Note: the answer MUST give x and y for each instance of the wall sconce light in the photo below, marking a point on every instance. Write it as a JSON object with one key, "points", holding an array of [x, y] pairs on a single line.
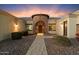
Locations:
{"points": [[16, 25], [16, 28]]}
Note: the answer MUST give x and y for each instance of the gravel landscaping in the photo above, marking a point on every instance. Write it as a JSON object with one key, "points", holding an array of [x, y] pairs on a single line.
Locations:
{"points": [[21, 46], [16, 47], [54, 49]]}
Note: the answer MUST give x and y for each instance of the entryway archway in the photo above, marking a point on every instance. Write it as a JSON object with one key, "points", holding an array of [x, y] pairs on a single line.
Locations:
{"points": [[39, 27]]}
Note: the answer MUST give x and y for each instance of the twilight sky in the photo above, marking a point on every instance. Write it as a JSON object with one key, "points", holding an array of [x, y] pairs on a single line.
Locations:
{"points": [[27, 10]]}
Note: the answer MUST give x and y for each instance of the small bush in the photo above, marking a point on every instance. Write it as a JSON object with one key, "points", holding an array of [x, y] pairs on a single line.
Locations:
{"points": [[16, 35], [24, 33], [63, 40]]}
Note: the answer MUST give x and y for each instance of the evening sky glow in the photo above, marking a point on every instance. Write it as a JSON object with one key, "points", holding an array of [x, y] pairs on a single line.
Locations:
{"points": [[27, 10]]}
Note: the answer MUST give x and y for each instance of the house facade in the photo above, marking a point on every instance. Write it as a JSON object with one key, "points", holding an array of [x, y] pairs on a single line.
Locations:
{"points": [[66, 26], [39, 23]]}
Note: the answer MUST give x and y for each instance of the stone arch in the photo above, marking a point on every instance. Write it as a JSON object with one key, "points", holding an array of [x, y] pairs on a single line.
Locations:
{"points": [[40, 27]]}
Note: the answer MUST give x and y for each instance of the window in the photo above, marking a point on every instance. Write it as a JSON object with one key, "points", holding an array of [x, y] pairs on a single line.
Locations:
{"points": [[52, 27], [29, 27]]}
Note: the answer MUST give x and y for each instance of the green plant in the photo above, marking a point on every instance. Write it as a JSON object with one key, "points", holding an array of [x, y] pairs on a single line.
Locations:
{"points": [[63, 40]]}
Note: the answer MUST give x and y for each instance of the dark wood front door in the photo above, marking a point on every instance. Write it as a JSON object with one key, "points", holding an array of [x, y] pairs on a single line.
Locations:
{"points": [[65, 28], [40, 29]]}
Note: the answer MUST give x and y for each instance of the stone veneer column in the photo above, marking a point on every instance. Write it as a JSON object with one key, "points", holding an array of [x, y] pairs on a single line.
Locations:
{"points": [[40, 17]]}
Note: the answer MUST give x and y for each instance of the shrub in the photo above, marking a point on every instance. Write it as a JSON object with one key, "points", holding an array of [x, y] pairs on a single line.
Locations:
{"points": [[16, 35], [24, 33], [63, 40]]}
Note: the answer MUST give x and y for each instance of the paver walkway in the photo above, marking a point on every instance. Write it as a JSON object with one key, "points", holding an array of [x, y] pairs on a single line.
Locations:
{"points": [[38, 46]]}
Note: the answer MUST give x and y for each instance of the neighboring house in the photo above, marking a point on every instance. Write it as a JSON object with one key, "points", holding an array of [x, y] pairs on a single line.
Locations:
{"points": [[39, 23]]}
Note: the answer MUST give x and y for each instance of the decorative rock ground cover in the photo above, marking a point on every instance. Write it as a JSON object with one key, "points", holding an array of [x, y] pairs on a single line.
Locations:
{"points": [[16, 47], [54, 49], [20, 47]]}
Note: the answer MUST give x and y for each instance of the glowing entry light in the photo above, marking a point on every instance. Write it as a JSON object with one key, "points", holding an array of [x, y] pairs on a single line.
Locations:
{"points": [[40, 34], [16, 28]]}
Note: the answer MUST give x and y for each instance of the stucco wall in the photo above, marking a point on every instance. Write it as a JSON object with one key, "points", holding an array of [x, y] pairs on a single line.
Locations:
{"points": [[7, 25], [71, 26], [77, 19], [21, 25], [59, 28]]}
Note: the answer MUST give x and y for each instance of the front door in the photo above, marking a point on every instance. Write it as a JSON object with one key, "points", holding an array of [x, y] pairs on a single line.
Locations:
{"points": [[40, 29], [65, 28]]}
